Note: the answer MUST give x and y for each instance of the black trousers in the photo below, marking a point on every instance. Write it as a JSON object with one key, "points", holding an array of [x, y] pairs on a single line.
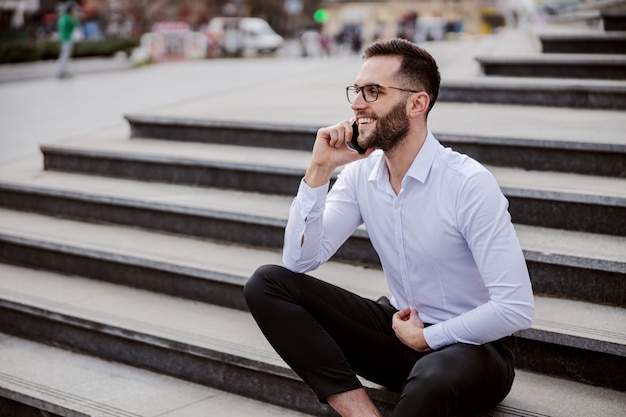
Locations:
{"points": [[328, 335]]}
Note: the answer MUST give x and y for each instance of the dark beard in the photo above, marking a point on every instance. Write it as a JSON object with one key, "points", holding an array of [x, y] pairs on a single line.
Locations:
{"points": [[391, 129]]}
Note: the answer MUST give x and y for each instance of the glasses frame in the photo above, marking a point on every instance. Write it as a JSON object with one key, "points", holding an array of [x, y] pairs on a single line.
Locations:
{"points": [[359, 89]]}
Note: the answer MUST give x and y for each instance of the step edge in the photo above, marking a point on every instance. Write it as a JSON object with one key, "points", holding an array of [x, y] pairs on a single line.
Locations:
{"points": [[218, 124], [565, 331], [47, 149], [556, 258], [474, 139], [141, 204], [56, 401], [123, 258], [299, 172], [219, 350]]}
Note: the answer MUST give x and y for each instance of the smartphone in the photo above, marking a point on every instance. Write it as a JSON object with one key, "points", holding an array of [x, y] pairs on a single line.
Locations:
{"points": [[353, 143]]}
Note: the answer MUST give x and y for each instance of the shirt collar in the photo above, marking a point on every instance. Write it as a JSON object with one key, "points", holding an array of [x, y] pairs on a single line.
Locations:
{"points": [[419, 168]]}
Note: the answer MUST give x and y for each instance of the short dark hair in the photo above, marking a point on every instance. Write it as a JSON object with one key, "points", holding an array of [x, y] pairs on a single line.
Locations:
{"points": [[418, 67]]}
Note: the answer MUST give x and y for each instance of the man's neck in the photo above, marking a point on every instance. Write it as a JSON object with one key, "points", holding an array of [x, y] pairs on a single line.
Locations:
{"points": [[400, 158]]}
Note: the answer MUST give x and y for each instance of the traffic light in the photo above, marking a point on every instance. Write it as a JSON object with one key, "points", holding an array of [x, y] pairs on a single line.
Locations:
{"points": [[320, 15]]}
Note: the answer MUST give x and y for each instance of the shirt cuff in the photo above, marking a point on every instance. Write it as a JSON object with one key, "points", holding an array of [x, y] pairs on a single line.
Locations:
{"points": [[312, 200], [436, 337]]}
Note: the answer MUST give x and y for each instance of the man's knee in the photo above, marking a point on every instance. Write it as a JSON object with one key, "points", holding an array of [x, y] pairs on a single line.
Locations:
{"points": [[257, 287], [258, 281]]}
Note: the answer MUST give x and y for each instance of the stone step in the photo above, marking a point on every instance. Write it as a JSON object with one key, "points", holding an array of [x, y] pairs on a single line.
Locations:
{"points": [[567, 264], [210, 272], [40, 380], [550, 151], [530, 91], [573, 265], [203, 270], [584, 43], [584, 15], [570, 201], [587, 66], [222, 348], [614, 20]]}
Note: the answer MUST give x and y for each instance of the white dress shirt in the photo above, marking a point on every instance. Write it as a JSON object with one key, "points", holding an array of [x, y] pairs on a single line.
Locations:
{"points": [[446, 242]]}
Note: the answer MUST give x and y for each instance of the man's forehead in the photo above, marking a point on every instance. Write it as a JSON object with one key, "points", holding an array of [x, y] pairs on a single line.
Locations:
{"points": [[378, 70]]}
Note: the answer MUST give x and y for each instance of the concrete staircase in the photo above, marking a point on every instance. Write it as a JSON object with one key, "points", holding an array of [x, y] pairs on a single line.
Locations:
{"points": [[585, 69], [122, 261]]}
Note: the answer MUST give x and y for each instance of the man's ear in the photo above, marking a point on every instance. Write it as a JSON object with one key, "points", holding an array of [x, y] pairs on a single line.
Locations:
{"points": [[418, 104]]}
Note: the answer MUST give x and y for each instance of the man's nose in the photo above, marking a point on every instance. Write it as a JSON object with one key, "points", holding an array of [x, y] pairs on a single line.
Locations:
{"points": [[358, 102]]}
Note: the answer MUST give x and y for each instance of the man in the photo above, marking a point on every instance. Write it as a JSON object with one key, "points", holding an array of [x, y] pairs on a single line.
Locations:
{"points": [[449, 252], [66, 25]]}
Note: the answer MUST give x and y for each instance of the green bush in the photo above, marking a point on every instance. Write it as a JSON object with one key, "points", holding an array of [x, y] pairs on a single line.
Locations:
{"points": [[104, 48], [29, 51]]}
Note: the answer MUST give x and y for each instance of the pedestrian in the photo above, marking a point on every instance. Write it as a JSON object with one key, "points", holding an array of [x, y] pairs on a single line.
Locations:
{"points": [[326, 44], [441, 227], [356, 40], [66, 24]]}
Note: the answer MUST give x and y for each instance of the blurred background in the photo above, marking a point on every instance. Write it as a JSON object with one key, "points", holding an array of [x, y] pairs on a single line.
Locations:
{"points": [[164, 30]]}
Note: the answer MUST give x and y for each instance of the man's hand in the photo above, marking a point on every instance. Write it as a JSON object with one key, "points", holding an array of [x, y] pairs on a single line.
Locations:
{"points": [[330, 151], [409, 328]]}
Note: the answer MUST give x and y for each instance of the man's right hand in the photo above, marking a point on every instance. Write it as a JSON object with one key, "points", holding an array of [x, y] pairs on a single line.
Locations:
{"points": [[409, 328], [330, 151]]}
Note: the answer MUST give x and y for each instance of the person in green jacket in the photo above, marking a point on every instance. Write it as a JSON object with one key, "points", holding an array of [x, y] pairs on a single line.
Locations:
{"points": [[66, 25]]}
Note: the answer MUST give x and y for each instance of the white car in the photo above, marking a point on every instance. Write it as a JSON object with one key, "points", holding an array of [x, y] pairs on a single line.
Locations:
{"points": [[241, 35]]}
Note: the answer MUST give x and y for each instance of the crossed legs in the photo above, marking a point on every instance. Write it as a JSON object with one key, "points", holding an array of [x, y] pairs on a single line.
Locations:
{"points": [[328, 335]]}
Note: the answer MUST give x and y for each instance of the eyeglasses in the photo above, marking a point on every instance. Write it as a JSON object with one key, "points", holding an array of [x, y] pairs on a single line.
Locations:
{"points": [[369, 91]]}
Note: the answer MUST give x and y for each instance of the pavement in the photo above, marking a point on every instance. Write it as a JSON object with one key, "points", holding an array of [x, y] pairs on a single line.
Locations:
{"points": [[36, 107]]}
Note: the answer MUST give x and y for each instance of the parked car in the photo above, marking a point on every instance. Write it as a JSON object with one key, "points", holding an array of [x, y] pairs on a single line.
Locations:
{"points": [[241, 35]]}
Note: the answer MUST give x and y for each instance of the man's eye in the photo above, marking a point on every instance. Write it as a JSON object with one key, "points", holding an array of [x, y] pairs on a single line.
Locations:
{"points": [[370, 89]]}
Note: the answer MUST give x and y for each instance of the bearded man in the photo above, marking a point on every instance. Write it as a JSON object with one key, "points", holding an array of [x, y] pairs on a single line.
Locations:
{"points": [[449, 252]]}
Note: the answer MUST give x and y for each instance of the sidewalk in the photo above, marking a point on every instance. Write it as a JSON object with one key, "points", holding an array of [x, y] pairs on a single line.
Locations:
{"points": [[47, 110], [272, 89], [48, 69]]}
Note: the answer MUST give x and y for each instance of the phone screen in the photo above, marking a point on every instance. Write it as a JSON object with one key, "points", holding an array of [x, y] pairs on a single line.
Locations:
{"points": [[353, 143]]}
